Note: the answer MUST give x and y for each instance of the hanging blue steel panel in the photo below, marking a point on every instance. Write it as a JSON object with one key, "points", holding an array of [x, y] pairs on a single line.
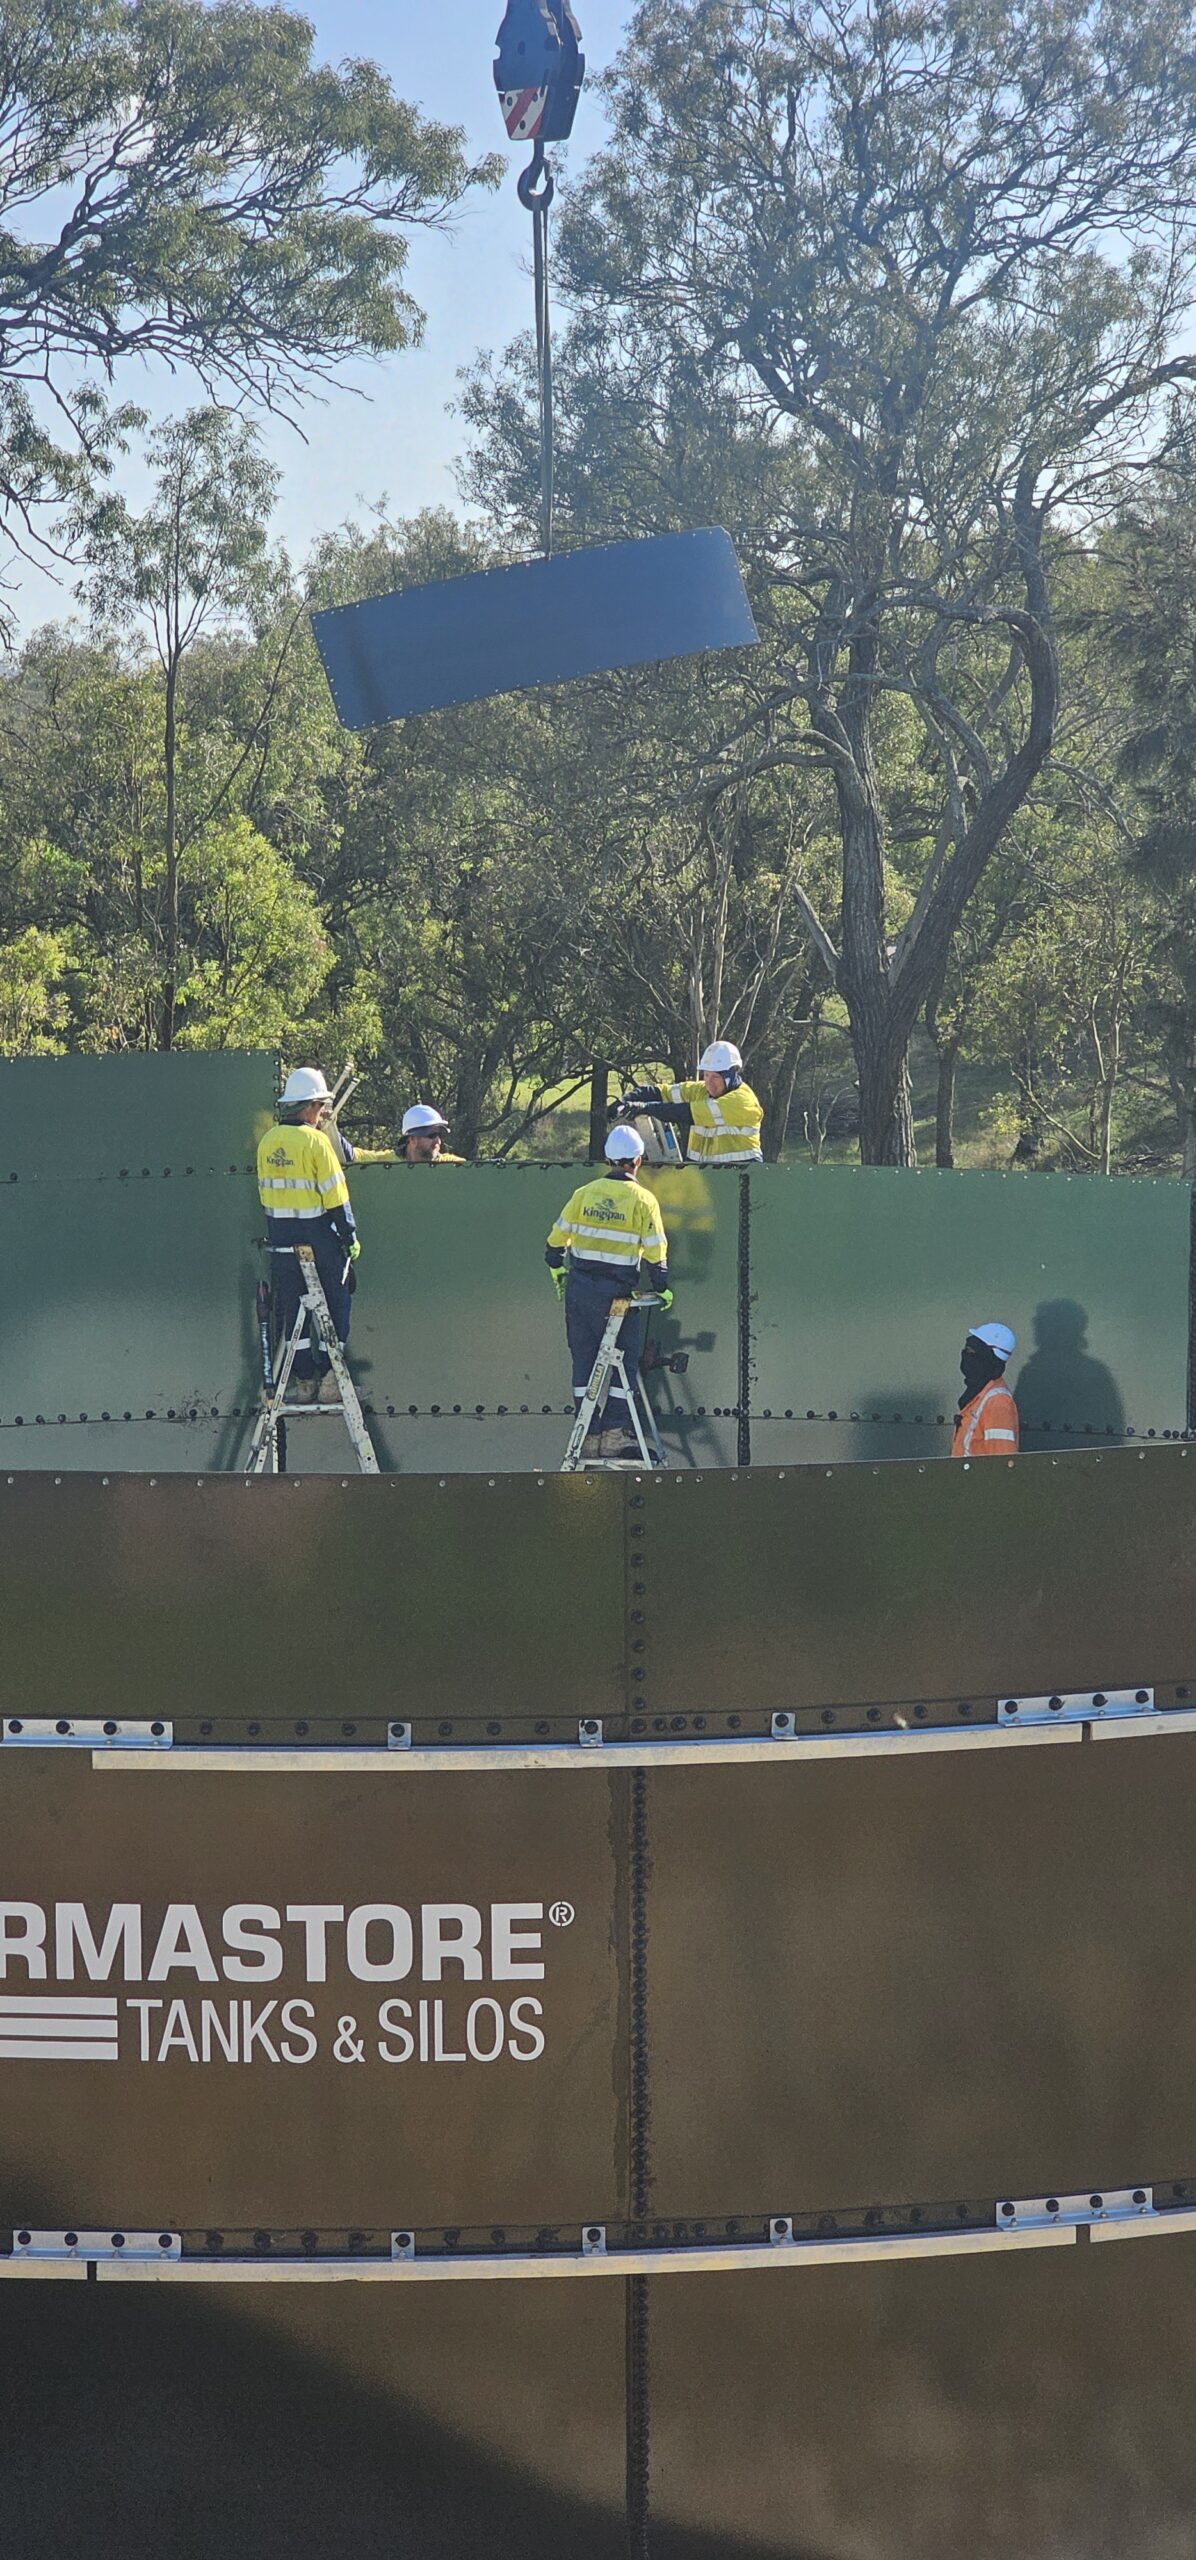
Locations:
{"points": [[624, 604], [186, 1112], [866, 1280]]}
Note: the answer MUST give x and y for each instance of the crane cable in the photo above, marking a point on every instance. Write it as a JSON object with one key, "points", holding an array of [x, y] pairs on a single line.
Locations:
{"points": [[537, 201]]}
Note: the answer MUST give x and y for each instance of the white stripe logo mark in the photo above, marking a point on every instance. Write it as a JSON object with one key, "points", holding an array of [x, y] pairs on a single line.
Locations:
{"points": [[41, 2028]]}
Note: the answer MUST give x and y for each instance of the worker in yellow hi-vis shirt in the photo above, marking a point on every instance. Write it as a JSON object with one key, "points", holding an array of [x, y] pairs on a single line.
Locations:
{"points": [[424, 1132], [306, 1200], [718, 1113], [607, 1234]]}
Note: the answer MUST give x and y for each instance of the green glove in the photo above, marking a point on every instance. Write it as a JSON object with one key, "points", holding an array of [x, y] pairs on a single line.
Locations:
{"points": [[559, 1278], [355, 1250], [666, 1298]]}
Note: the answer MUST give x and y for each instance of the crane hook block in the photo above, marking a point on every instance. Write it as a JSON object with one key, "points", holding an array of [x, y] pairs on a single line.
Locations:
{"points": [[539, 69]]}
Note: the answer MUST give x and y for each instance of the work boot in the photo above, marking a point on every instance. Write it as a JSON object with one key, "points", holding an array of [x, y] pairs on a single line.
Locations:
{"points": [[329, 1389], [617, 1444], [301, 1391], [591, 1448]]}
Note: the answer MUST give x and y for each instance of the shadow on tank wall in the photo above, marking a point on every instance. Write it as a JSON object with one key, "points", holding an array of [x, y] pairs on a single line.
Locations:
{"points": [[195, 2428], [1062, 1392]]}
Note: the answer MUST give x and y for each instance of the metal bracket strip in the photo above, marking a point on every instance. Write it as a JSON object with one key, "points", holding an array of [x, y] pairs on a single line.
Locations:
{"points": [[93, 2248], [691, 1753], [724, 2258], [1035, 2222], [1080, 1706], [86, 1733], [1064, 1716]]}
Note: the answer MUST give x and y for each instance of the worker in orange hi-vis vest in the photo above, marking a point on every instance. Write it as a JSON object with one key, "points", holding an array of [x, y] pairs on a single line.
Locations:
{"points": [[986, 1425]]}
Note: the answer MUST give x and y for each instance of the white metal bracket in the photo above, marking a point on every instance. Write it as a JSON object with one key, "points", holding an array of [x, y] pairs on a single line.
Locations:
{"points": [[1043, 2213], [97, 2245], [86, 1733], [589, 1733], [1075, 1706]]}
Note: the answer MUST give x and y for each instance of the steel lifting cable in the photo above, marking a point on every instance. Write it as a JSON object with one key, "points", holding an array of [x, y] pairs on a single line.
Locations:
{"points": [[538, 73], [537, 200]]}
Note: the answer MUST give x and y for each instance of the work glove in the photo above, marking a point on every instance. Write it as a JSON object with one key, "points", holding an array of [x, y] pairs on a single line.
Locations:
{"points": [[639, 1097], [559, 1279], [355, 1250]]}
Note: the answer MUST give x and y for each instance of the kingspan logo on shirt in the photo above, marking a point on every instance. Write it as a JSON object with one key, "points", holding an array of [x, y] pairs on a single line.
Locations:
{"points": [[57, 1951]]}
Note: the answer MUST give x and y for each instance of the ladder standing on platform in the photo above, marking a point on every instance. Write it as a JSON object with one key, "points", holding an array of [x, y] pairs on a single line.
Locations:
{"points": [[312, 1320], [609, 1367], [313, 1240], [609, 1234]]}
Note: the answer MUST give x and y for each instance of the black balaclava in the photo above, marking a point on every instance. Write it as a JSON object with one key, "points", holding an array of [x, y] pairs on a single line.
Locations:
{"points": [[979, 1364]]}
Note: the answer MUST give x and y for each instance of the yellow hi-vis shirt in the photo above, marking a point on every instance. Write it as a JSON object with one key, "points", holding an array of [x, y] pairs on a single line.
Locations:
{"points": [[611, 1225], [299, 1173], [396, 1155], [723, 1132]]}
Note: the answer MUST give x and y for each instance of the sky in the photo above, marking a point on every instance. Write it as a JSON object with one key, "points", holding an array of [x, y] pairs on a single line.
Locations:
{"points": [[472, 282]]}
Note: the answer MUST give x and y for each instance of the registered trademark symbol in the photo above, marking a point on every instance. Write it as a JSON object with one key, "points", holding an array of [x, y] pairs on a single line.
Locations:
{"points": [[562, 1915]]}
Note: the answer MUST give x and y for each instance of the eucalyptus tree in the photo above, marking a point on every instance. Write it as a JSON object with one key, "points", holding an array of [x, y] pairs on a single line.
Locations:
{"points": [[920, 269]]}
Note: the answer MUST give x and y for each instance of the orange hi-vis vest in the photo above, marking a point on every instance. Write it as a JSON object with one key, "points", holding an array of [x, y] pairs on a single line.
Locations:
{"points": [[988, 1427]]}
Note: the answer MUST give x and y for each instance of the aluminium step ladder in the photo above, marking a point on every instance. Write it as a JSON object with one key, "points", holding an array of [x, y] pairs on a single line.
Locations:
{"points": [[267, 1449], [610, 1367]]}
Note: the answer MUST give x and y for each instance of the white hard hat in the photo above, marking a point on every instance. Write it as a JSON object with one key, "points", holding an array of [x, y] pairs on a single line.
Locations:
{"points": [[422, 1116], [997, 1336], [305, 1084], [624, 1145], [722, 1058]]}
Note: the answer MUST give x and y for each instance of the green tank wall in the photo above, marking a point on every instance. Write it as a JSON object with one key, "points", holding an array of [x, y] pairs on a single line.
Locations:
{"points": [[822, 1309]]}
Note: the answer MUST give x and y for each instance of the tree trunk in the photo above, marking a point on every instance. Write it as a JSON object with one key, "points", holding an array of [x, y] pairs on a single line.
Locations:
{"points": [[1104, 1129], [1031, 1133], [944, 1107], [170, 741], [778, 1098], [886, 1103], [1189, 1163]]}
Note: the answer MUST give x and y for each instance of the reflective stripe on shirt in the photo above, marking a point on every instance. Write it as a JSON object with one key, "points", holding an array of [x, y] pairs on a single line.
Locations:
{"points": [[974, 1434]]}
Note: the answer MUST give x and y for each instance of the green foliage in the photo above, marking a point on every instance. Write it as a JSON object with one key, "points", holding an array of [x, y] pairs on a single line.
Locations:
{"points": [[34, 1009], [181, 180], [257, 952]]}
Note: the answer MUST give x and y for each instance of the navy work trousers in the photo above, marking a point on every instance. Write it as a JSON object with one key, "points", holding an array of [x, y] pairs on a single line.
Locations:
{"points": [[588, 1298], [332, 1263]]}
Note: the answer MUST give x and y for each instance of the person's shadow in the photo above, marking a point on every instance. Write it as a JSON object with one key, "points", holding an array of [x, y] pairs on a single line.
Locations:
{"points": [[1063, 1395]]}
